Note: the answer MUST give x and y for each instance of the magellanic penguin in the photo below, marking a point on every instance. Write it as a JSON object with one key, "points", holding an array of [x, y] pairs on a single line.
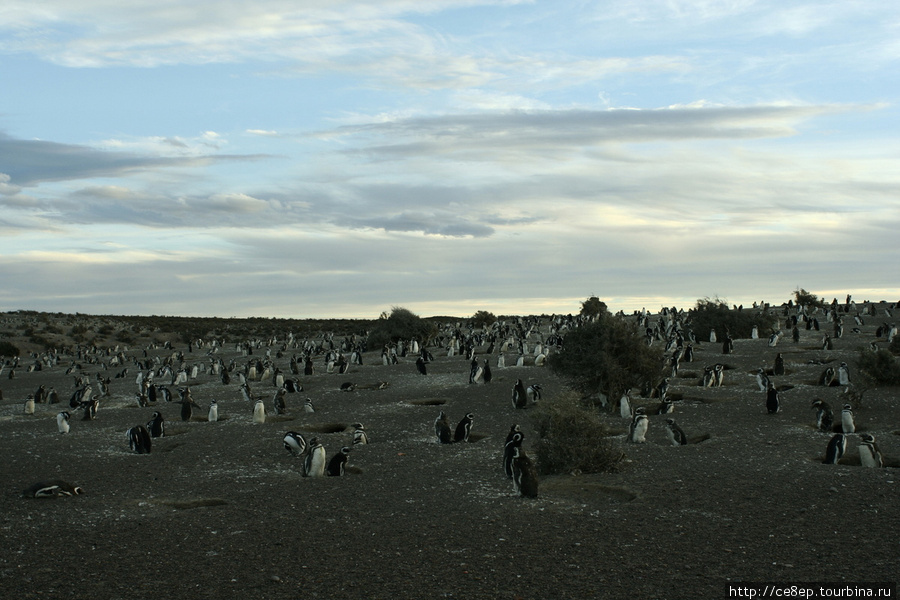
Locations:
{"points": [[676, 435], [625, 405], [52, 489], [773, 406], [156, 425], [869, 454], [509, 452], [533, 393], [62, 421], [139, 439], [464, 428], [779, 365], [524, 474], [314, 465], [338, 463], [29, 405], [762, 379], [259, 412], [519, 395], [442, 429], [843, 374], [847, 424], [360, 437], [637, 433], [308, 406], [294, 443], [420, 365], [836, 448], [213, 414], [278, 403], [824, 415]]}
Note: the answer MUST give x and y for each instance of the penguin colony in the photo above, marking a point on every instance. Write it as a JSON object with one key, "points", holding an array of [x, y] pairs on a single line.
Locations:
{"points": [[155, 376]]}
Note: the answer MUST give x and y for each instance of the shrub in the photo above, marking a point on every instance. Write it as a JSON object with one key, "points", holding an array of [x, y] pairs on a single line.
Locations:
{"points": [[881, 366], [401, 324], [483, 318], [8, 349], [804, 298], [607, 356], [593, 307], [572, 438], [715, 314]]}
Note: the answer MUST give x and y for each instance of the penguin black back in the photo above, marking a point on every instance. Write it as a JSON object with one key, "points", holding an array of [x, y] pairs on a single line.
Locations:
{"points": [[464, 428]]}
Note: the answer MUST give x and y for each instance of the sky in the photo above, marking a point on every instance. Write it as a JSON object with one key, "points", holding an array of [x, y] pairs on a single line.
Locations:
{"points": [[308, 159]]}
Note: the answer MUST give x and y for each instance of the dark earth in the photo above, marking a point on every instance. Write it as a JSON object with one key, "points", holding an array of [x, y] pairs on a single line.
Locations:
{"points": [[221, 510]]}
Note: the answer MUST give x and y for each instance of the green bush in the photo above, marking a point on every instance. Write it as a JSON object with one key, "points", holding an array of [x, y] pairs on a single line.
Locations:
{"points": [[572, 438], [593, 307], [881, 366], [607, 356], [8, 349], [804, 298], [401, 324], [715, 314], [483, 318]]}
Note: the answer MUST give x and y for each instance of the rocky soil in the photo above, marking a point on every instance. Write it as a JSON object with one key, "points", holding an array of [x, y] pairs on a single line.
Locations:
{"points": [[220, 510]]}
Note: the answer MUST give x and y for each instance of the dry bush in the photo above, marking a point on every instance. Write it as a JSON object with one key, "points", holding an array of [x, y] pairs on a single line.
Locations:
{"points": [[573, 438]]}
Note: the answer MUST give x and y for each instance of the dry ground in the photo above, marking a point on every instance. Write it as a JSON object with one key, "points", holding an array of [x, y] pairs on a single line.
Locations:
{"points": [[220, 510]]}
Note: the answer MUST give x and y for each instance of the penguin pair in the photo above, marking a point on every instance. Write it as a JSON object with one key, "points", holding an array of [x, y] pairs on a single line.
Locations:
{"points": [[461, 434], [139, 439]]}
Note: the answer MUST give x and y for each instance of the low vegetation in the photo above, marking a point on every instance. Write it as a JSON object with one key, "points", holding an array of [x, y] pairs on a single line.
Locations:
{"points": [[715, 314]]}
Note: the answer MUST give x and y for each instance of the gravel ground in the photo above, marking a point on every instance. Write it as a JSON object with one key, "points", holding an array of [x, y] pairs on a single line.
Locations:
{"points": [[221, 510]]}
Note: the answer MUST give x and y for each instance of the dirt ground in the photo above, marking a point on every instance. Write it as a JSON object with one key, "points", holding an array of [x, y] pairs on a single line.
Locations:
{"points": [[220, 510]]}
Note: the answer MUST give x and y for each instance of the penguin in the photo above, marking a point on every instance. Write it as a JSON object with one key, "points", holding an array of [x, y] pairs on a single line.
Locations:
{"points": [[308, 406], [625, 405], [165, 392], [665, 407], [29, 405], [187, 410], [676, 435], [420, 365], [828, 377], [463, 428], [762, 380], [524, 474], [519, 395], [52, 489], [779, 364], [62, 421], [360, 437], [513, 430], [869, 454], [278, 401], [824, 415], [835, 450], [338, 463], [139, 439], [259, 412], [314, 465], [501, 361], [348, 386], [292, 386], [213, 414], [847, 424], [156, 425], [533, 393], [475, 372], [773, 406], [486, 372], [509, 450], [719, 374], [53, 396], [90, 409], [294, 443], [843, 374], [442, 429], [637, 433]]}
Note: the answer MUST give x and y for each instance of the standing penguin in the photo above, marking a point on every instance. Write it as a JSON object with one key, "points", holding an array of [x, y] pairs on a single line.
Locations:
{"points": [[139, 439], [278, 401], [29, 405], [487, 372], [62, 421], [187, 410], [843, 374], [676, 435], [533, 393], [259, 412], [314, 465], [824, 414], [762, 380], [772, 403], [156, 425], [524, 474], [509, 451], [294, 443], [360, 437], [835, 450], [420, 365], [213, 414], [625, 405], [338, 463], [779, 364], [519, 395], [847, 424], [464, 428], [442, 429], [637, 433], [869, 454]]}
